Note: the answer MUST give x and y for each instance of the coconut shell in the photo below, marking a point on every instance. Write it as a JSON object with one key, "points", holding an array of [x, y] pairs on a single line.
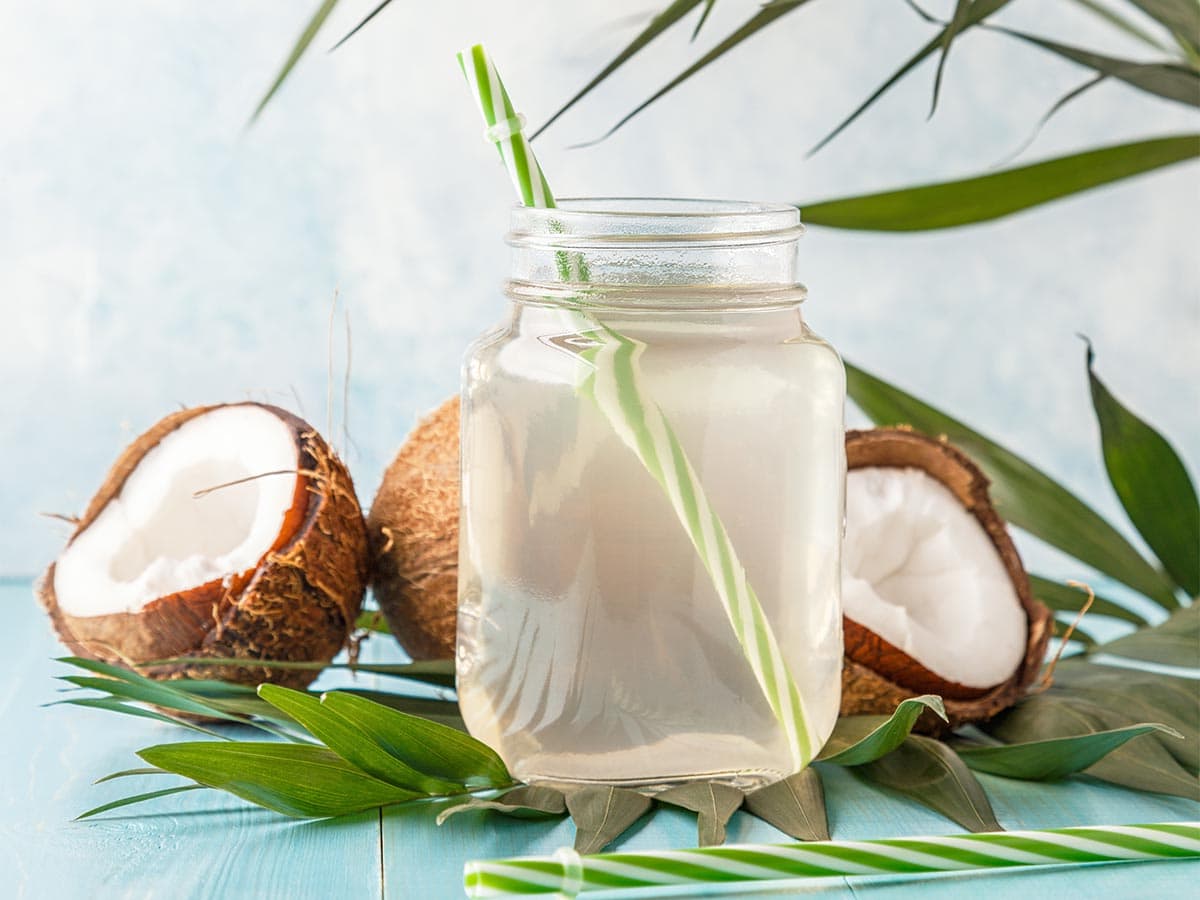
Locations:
{"points": [[299, 603], [878, 675], [413, 530]]}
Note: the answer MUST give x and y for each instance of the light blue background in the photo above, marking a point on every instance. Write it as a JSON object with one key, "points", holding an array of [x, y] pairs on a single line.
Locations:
{"points": [[154, 252]]}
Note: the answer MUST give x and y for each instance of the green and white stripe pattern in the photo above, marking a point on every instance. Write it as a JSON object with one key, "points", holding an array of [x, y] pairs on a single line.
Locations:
{"points": [[640, 423], [568, 874], [504, 128]]}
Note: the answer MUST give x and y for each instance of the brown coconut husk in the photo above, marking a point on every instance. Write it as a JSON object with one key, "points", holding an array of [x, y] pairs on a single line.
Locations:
{"points": [[413, 530], [299, 603], [878, 675]]}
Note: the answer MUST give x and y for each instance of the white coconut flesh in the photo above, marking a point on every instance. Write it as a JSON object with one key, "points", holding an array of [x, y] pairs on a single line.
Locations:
{"points": [[920, 572], [159, 537]]}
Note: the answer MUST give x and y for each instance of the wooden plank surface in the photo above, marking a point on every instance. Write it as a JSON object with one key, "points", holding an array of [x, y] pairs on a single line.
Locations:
{"points": [[198, 844], [204, 844]]}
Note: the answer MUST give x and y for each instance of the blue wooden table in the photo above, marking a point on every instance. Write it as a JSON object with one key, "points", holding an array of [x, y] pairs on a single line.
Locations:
{"points": [[207, 844]]}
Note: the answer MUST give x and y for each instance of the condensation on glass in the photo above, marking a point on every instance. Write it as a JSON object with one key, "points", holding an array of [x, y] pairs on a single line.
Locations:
{"points": [[592, 644]]}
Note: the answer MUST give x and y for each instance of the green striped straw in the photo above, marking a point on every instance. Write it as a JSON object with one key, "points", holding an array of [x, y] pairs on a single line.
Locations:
{"points": [[569, 874], [617, 386]]}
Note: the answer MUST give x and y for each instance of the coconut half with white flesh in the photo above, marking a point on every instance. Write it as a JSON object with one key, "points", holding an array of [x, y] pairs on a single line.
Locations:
{"points": [[935, 598], [223, 531]]}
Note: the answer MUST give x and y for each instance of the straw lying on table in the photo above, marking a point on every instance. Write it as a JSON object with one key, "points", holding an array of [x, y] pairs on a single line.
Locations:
{"points": [[567, 873], [641, 425]]}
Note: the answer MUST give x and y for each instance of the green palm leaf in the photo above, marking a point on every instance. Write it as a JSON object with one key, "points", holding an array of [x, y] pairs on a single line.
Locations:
{"points": [[298, 50], [293, 779], [138, 798], [1171, 81], [795, 805], [1054, 758], [857, 740], [976, 14], [950, 204], [1121, 23], [767, 14], [930, 773], [660, 23], [357, 28], [1151, 483], [959, 21], [1064, 598], [1180, 17]]}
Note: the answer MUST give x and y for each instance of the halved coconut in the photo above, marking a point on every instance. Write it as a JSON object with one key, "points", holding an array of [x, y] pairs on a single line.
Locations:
{"points": [[413, 529], [934, 594], [223, 531]]}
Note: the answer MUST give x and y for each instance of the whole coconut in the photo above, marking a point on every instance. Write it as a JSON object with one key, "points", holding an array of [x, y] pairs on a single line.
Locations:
{"points": [[413, 530]]}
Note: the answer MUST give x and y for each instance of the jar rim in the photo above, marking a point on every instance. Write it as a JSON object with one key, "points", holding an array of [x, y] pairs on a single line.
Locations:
{"points": [[656, 218]]}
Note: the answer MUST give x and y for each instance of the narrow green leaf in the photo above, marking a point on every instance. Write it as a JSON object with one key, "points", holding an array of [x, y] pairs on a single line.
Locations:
{"points": [[1063, 597], [120, 673], [1152, 764], [356, 745], [1121, 23], [293, 779], [913, 61], [660, 23], [168, 694], [253, 709], [795, 805], [978, 12], [1055, 758], [1171, 81], [138, 798], [301, 45], [713, 803], [151, 694], [1132, 695], [1024, 496], [130, 773], [438, 672], [929, 772], [861, 739], [1073, 94], [529, 801], [982, 198], [708, 6], [424, 745], [163, 695], [112, 704], [1148, 766], [766, 14], [1173, 643], [1180, 17], [1151, 483], [958, 22], [602, 813], [357, 28], [213, 688], [444, 712]]}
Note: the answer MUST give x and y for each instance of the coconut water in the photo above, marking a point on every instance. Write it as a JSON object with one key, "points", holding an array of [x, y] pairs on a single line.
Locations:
{"points": [[592, 645]]}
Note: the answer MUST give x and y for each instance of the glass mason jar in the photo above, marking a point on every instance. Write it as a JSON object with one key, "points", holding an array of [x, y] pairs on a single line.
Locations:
{"points": [[652, 416]]}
